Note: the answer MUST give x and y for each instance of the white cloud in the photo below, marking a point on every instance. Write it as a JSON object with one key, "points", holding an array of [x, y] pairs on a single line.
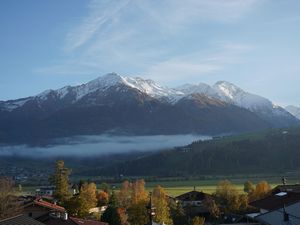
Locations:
{"points": [[191, 66], [100, 13], [141, 35]]}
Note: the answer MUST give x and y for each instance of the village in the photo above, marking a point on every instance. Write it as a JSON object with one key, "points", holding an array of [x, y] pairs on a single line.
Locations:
{"points": [[83, 203]]}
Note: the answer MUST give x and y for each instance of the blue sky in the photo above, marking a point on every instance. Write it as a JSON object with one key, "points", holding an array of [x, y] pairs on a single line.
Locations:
{"points": [[252, 43]]}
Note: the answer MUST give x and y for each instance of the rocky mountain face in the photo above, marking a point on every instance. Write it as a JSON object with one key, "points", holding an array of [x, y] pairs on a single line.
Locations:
{"points": [[124, 105]]}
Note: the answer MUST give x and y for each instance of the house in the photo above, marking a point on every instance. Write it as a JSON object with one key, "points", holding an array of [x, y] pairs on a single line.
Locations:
{"points": [[285, 215], [194, 203], [192, 198], [45, 190], [20, 220], [279, 197], [295, 188], [282, 206], [39, 208]]}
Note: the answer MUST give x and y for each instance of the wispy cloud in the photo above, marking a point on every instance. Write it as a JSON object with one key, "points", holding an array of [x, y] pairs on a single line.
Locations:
{"points": [[191, 66], [142, 37], [100, 14]]}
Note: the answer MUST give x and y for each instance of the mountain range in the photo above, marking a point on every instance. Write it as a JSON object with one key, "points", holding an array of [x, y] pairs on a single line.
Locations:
{"points": [[136, 106]]}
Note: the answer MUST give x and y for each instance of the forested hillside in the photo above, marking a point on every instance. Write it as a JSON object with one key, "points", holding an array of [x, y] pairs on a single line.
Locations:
{"points": [[269, 152]]}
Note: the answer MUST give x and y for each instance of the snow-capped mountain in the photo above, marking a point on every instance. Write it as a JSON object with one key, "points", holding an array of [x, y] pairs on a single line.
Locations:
{"points": [[232, 94], [101, 84], [114, 103], [295, 111]]}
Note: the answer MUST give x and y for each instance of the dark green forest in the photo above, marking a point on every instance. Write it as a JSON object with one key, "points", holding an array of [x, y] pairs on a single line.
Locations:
{"points": [[273, 151]]}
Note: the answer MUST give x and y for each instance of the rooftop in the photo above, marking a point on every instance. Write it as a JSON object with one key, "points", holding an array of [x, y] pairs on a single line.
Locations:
{"points": [[20, 220]]}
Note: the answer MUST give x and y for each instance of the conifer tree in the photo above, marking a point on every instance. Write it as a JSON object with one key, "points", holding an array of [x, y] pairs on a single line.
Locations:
{"points": [[111, 214]]}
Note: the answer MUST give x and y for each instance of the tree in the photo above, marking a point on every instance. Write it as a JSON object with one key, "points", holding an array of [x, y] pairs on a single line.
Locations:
{"points": [[81, 204], [262, 189], [124, 195], [138, 192], [137, 211], [111, 215], [162, 210], [248, 187], [227, 196], [102, 198], [177, 213], [212, 207], [105, 187], [60, 179], [198, 221], [8, 201]]}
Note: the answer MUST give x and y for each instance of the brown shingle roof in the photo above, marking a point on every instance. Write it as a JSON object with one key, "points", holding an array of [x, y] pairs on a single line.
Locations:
{"points": [[193, 196], [20, 220], [273, 202]]}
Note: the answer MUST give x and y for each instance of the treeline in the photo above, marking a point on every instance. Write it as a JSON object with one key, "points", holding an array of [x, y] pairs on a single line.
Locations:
{"points": [[272, 152], [133, 205]]}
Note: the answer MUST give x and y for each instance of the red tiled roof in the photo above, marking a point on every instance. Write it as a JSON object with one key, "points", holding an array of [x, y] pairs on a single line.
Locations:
{"points": [[49, 205], [87, 222]]}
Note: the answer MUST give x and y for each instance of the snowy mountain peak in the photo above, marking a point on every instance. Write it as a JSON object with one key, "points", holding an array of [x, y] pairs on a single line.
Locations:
{"points": [[227, 89]]}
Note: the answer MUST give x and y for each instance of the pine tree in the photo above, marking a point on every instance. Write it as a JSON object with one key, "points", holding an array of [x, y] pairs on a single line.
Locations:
{"points": [[111, 214]]}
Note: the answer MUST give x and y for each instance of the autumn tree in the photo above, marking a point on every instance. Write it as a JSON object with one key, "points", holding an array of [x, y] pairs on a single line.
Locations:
{"points": [[248, 187], [8, 201], [227, 196], [137, 212], [102, 198], [162, 210], [262, 189], [80, 205], [124, 195], [198, 221], [60, 179], [212, 207]]}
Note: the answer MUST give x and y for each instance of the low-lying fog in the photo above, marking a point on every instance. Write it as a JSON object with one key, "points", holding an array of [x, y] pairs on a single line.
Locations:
{"points": [[104, 144]]}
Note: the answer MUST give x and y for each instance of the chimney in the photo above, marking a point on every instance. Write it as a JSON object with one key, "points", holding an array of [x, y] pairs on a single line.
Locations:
{"points": [[194, 188]]}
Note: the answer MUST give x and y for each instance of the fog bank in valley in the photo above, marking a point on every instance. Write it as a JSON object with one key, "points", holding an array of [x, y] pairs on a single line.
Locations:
{"points": [[85, 146]]}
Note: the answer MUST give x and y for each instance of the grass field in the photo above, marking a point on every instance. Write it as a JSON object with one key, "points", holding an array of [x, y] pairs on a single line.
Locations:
{"points": [[177, 187]]}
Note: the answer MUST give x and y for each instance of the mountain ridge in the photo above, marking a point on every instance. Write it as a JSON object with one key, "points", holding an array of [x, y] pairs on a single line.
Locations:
{"points": [[135, 106]]}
